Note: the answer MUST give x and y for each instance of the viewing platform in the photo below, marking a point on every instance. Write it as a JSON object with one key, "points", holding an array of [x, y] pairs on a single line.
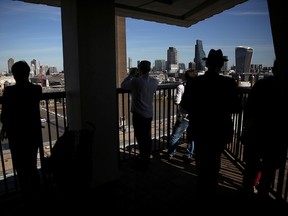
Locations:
{"points": [[167, 187]]}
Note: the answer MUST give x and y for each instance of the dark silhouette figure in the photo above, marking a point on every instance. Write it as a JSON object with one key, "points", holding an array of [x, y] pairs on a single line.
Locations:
{"points": [[211, 99], [21, 124], [142, 88], [264, 132], [71, 154]]}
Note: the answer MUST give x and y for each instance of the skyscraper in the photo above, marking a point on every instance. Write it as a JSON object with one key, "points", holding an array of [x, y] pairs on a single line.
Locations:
{"points": [[243, 57], [199, 55], [225, 65], [172, 59], [33, 66], [129, 63], [160, 65], [10, 63]]}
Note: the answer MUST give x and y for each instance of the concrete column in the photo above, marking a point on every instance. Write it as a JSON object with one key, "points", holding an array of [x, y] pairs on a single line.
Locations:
{"points": [[121, 50], [90, 79], [279, 21]]}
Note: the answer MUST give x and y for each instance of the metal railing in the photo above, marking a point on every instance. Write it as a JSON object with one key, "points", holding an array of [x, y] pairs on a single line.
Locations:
{"points": [[53, 109], [163, 120]]}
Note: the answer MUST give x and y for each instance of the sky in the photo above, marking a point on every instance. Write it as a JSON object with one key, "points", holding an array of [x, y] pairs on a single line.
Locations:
{"points": [[31, 31]]}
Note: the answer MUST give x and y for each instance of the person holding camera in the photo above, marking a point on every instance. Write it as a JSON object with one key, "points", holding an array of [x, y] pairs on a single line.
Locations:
{"points": [[142, 87]]}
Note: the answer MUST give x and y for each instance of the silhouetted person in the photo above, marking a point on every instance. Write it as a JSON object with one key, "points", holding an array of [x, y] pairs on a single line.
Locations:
{"points": [[211, 99], [142, 88], [21, 124], [265, 131]]}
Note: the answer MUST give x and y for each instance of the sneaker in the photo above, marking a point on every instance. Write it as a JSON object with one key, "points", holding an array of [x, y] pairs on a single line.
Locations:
{"points": [[169, 157], [255, 191], [187, 159]]}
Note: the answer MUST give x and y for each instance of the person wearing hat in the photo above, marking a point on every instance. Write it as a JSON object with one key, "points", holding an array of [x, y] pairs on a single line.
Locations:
{"points": [[142, 87], [210, 100]]}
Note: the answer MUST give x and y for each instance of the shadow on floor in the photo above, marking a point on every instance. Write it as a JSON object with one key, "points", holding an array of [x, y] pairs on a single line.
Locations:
{"points": [[167, 187]]}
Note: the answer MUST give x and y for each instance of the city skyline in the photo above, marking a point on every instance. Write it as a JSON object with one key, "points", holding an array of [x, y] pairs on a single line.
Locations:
{"points": [[30, 31]]}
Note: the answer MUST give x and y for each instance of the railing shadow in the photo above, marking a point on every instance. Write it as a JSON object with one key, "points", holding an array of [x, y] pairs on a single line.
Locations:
{"points": [[54, 111]]}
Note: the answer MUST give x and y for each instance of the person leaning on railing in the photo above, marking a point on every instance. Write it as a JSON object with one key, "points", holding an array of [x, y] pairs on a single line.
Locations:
{"points": [[142, 88], [182, 123]]}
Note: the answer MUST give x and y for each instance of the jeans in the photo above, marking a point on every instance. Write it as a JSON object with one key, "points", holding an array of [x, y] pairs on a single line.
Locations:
{"points": [[179, 128]]}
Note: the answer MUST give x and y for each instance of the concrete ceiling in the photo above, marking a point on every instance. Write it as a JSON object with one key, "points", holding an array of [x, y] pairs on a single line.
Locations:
{"points": [[173, 12]]}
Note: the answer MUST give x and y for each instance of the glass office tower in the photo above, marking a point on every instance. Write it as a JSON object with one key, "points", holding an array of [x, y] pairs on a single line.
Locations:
{"points": [[199, 55], [172, 59], [243, 57]]}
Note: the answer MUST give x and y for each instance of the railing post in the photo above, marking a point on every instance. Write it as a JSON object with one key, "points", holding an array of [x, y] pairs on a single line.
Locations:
{"points": [[169, 114]]}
